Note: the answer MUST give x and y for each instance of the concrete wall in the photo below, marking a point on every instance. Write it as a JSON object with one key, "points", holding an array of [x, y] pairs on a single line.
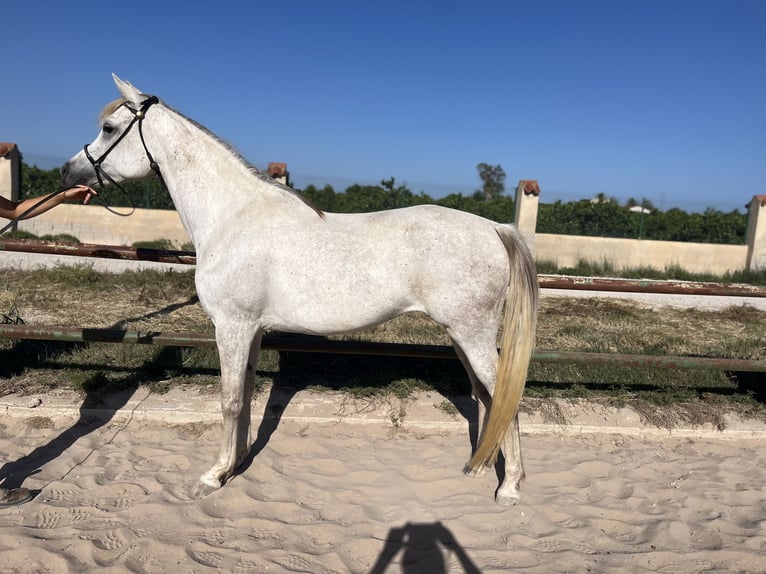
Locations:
{"points": [[94, 224], [567, 250]]}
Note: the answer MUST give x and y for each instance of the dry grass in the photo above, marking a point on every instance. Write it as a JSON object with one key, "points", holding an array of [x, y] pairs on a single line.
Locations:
{"points": [[166, 301], [608, 326]]}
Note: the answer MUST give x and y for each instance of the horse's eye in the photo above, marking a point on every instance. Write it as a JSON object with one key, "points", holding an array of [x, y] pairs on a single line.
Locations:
{"points": [[107, 128]]}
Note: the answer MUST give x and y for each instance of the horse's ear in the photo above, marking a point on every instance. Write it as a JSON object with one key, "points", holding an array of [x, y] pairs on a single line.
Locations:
{"points": [[128, 91]]}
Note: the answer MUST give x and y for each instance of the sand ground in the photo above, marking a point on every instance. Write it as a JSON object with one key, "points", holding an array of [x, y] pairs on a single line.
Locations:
{"points": [[335, 485]]}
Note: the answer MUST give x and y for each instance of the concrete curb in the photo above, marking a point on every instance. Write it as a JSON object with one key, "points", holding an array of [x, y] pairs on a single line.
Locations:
{"points": [[185, 405]]}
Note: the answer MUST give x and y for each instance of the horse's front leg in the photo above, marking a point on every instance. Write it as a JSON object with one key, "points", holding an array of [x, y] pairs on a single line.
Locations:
{"points": [[238, 352], [243, 427]]}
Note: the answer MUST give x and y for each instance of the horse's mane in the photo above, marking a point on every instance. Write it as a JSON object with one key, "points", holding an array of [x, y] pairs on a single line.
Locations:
{"points": [[112, 107]]}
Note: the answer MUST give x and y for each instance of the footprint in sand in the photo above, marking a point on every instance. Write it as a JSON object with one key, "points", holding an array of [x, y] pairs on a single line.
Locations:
{"points": [[207, 558], [48, 519]]}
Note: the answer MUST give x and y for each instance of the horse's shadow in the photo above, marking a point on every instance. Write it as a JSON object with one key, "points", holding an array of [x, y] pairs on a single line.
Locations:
{"points": [[98, 407], [301, 370]]}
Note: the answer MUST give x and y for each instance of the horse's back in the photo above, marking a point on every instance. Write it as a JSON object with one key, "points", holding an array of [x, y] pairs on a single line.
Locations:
{"points": [[429, 227]]}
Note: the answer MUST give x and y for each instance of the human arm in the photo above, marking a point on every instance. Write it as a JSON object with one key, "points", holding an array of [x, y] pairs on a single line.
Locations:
{"points": [[13, 210]]}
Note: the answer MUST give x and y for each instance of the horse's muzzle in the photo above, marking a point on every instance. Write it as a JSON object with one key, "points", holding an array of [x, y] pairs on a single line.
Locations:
{"points": [[64, 172], [71, 175]]}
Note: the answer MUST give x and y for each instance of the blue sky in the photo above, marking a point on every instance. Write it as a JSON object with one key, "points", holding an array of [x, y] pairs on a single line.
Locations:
{"points": [[664, 100]]}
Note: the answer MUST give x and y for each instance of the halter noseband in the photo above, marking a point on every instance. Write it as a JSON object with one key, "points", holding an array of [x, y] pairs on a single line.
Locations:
{"points": [[138, 117]]}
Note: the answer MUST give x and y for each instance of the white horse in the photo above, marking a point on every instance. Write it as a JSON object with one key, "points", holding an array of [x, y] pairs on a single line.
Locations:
{"points": [[267, 260]]}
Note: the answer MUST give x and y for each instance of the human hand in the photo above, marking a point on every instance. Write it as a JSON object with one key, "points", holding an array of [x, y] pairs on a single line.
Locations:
{"points": [[80, 193]]}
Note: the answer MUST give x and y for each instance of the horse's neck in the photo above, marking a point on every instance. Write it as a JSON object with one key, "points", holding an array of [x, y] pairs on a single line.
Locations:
{"points": [[203, 194], [207, 182]]}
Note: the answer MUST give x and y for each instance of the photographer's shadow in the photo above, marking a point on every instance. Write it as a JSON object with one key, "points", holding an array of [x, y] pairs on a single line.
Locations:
{"points": [[426, 549]]}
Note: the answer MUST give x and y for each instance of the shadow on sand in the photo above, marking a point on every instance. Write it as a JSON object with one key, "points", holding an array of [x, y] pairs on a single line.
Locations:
{"points": [[297, 371], [99, 405], [426, 548]]}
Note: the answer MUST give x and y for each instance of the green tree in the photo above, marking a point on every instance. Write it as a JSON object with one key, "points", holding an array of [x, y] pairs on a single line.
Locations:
{"points": [[365, 198], [36, 181], [583, 217], [324, 198], [149, 194], [361, 199], [459, 201], [396, 195], [493, 180]]}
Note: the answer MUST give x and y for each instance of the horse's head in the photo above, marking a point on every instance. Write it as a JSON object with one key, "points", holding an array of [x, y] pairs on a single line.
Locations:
{"points": [[118, 153]]}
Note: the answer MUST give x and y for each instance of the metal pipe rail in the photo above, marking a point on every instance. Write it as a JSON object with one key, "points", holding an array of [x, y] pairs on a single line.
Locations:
{"points": [[546, 281], [319, 345], [100, 251], [657, 286]]}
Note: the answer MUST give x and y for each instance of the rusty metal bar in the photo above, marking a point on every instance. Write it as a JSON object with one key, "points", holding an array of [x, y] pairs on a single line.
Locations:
{"points": [[662, 361], [100, 251], [671, 287], [319, 345], [546, 281]]}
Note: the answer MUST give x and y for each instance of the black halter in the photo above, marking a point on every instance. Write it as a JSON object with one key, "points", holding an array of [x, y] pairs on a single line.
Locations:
{"points": [[138, 117]]}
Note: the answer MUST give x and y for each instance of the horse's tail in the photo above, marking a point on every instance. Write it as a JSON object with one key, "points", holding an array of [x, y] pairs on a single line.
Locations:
{"points": [[516, 346]]}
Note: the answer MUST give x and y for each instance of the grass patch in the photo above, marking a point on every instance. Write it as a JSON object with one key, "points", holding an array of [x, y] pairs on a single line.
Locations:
{"points": [[448, 408], [166, 301]]}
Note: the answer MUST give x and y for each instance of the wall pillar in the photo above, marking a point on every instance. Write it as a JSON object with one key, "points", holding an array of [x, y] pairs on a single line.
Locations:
{"points": [[279, 172], [10, 171], [756, 234], [525, 216]]}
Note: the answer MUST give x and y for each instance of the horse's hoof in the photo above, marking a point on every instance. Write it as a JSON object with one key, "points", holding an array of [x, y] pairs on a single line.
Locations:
{"points": [[477, 473], [508, 499], [202, 489]]}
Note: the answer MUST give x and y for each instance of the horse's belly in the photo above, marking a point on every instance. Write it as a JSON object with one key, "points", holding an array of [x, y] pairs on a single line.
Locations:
{"points": [[327, 309]]}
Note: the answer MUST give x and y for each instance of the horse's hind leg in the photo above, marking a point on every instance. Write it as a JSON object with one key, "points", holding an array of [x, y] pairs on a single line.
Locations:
{"points": [[238, 351], [480, 394], [508, 493], [480, 361]]}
